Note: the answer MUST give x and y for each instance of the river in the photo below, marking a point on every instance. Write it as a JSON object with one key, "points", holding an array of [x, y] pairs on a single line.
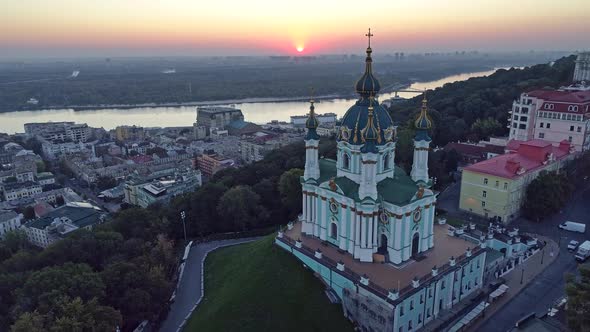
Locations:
{"points": [[257, 112]]}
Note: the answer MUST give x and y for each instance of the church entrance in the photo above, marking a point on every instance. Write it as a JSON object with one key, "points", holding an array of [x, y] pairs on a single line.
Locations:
{"points": [[382, 245], [415, 244]]}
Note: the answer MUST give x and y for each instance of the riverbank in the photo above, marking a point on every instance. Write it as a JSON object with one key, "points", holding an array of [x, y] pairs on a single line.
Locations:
{"points": [[78, 108], [257, 110]]}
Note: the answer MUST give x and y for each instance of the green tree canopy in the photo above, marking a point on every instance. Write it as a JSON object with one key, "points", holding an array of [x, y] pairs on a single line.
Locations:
{"points": [[240, 207], [290, 189], [546, 195], [578, 304]]}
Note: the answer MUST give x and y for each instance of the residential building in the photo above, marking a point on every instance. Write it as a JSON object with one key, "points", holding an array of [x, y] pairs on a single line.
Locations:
{"points": [[59, 131], [242, 128], [473, 153], [496, 188], [58, 223], [582, 70], [555, 115], [129, 133], [45, 178], [327, 119], [210, 163], [9, 221], [161, 185], [17, 190], [217, 116]]}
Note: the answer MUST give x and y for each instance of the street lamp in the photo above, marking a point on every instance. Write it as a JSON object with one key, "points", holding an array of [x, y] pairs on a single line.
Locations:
{"points": [[543, 254], [522, 276], [182, 216]]}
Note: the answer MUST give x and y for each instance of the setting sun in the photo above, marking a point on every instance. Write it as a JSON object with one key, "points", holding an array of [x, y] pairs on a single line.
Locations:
{"points": [[300, 49]]}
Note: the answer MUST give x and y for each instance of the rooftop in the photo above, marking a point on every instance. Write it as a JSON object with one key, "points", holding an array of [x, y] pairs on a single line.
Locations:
{"points": [[80, 216], [527, 157], [7, 215], [388, 276], [561, 96]]}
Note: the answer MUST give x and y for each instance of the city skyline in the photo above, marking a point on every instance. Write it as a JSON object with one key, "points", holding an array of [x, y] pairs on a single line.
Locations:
{"points": [[35, 28]]}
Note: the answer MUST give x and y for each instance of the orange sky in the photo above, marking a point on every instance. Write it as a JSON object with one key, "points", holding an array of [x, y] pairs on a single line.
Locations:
{"points": [[277, 27]]}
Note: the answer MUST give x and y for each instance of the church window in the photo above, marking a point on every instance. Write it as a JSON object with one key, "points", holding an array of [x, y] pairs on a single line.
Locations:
{"points": [[497, 184], [485, 181], [411, 304], [483, 203], [419, 318], [386, 161], [345, 161], [484, 193], [541, 125], [421, 298], [333, 231], [429, 292], [409, 325], [442, 284], [401, 310]]}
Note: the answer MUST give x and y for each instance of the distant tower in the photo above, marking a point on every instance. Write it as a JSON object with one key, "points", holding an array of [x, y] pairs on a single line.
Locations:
{"points": [[582, 71], [421, 145], [312, 142]]}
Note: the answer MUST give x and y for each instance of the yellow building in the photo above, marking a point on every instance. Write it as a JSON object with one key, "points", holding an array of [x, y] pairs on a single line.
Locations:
{"points": [[129, 133], [496, 188]]}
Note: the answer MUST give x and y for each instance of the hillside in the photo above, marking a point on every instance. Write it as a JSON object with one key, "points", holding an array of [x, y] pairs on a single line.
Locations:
{"points": [[260, 287], [478, 107]]}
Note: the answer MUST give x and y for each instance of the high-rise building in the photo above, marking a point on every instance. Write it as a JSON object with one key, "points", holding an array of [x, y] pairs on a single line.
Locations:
{"points": [[582, 71]]}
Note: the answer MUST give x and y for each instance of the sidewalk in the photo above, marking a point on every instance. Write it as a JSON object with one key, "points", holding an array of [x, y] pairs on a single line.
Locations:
{"points": [[532, 267]]}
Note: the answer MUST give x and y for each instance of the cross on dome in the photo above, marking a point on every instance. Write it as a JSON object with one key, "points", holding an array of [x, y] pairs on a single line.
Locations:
{"points": [[369, 35]]}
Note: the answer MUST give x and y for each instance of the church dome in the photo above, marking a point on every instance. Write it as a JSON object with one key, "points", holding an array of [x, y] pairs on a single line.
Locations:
{"points": [[423, 121], [356, 118], [368, 84]]}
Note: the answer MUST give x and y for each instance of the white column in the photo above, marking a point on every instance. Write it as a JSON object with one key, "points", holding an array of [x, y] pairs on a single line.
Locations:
{"points": [[431, 227], [363, 231], [314, 216], [351, 234], [396, 235], [407, 239], [357, 235], [342, 228], [375, 233], [304, 211]]}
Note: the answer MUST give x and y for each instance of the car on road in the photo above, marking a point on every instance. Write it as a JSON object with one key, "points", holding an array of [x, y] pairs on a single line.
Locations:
{"points": [[573, 226], [583, 251], [573, 245]]}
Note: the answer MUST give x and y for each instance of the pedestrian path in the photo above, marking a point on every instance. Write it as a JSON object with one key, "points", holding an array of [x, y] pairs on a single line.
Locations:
{"points": [[191, 286]]}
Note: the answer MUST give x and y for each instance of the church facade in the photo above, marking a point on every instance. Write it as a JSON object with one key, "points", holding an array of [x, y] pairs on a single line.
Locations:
{"points": [[362, 202]]}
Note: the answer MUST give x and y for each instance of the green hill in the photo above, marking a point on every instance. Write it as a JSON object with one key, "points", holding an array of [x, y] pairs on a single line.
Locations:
{"points": [[260, 287]]}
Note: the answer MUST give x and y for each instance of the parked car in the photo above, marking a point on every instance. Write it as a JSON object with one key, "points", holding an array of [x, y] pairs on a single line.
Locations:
{"points": [[573, 245], [583, 251], [573, 226]]}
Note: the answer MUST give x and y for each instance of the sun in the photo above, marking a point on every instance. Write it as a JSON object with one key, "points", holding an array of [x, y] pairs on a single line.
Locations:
{"points": [[300, 49]]}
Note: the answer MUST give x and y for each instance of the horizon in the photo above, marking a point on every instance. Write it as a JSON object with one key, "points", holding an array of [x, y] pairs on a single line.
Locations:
{"points": [[146, 28]]}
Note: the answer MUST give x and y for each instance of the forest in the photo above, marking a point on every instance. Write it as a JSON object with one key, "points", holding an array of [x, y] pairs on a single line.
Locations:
{"points": [[132, 81]]}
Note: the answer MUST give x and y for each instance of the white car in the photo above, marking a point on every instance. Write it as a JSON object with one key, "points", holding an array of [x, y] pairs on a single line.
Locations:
{"points": [[572, 245]]}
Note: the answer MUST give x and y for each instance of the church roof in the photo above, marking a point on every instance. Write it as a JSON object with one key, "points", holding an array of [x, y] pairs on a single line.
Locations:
{"points": [[398, 190]]}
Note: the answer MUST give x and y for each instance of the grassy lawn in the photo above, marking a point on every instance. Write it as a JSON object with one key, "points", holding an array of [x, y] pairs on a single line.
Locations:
{"points": [[261, 287], [456, 222]]}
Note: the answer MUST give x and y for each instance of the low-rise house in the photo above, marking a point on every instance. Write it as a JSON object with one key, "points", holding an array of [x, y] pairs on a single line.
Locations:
{"points": [[45, 178], [496, 188], [58, 223], [9, 221], [18, 190], [210, 163], [163, 190]]}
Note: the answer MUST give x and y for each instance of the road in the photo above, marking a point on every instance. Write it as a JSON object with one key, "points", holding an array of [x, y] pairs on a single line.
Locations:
{"points": [[189, 288], [548, 286]]}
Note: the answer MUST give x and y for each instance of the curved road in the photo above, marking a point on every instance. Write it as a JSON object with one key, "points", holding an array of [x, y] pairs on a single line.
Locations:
{"points": [[188, 292]]}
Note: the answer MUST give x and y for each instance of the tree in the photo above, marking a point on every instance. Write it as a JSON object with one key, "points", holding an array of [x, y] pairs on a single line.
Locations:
{"points": [[29, 322], [29, 213], [578, 304], [290, 189], [59, 200], [405, 148], [105, 182], [240, 208], [546, 195]]}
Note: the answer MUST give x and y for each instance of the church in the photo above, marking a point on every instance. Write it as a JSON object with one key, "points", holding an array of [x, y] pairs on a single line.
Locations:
{"points": [[362, 202], [367, 228]]}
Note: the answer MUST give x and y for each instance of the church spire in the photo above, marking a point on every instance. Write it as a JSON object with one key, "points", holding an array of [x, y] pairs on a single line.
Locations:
{"points": [[423, 122], [368, 85], [312, 122], [370, 134]]}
